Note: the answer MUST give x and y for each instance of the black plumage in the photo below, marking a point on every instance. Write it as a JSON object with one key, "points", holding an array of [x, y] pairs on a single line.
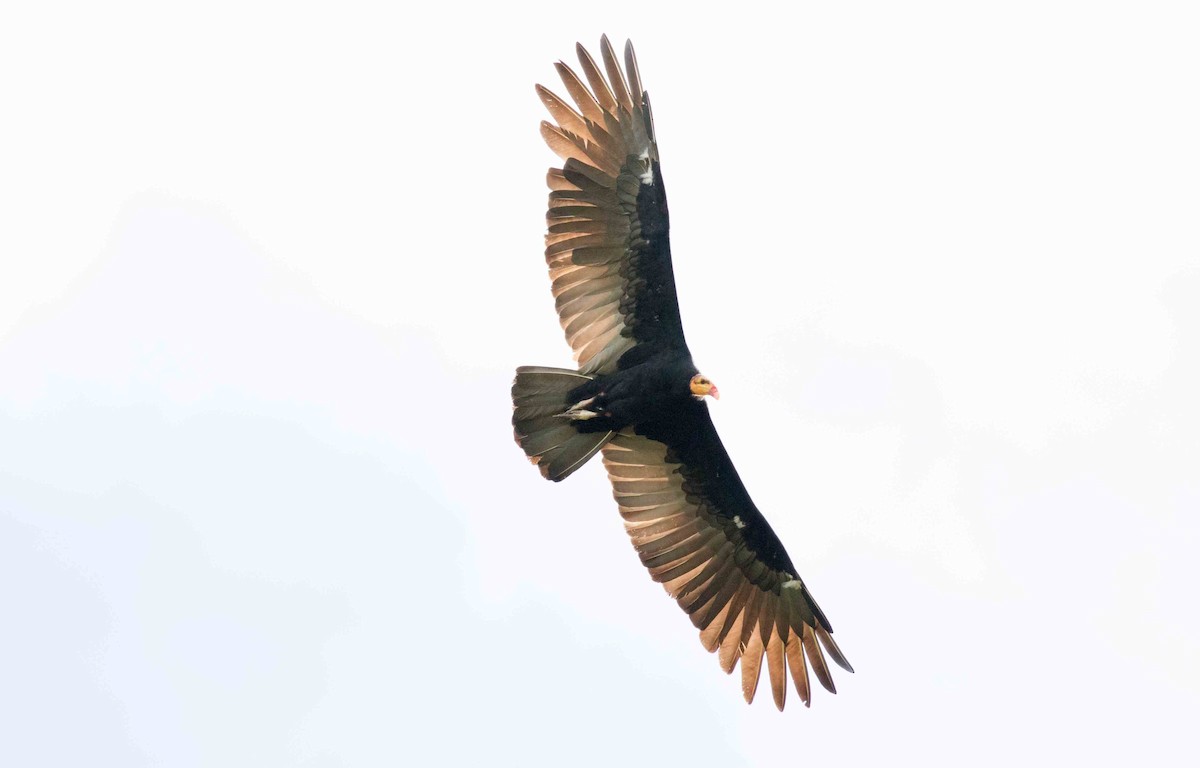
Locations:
{"points": [[638, 397]]}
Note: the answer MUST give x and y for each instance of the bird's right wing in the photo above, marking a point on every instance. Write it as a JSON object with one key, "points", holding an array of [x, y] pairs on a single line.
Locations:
{"points": [[607, 242], [700, 536]]}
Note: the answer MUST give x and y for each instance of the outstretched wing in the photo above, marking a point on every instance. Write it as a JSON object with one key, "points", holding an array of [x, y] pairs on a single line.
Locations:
{"points": [[607, 246], [697, 531]]}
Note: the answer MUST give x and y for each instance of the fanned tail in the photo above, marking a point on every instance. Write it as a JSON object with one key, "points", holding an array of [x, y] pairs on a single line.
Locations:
{"points": [[549, 440]]}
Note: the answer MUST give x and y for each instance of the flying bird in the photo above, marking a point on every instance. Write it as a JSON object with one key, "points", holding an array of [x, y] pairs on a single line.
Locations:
{"points": [[639, 400]]}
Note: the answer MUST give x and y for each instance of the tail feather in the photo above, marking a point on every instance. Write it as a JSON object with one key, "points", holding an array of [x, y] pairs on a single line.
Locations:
{"points": [[549, 440]]}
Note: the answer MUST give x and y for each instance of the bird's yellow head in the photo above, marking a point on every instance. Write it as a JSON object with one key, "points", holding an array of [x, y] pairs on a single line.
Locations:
{"points": [[701, 386]]}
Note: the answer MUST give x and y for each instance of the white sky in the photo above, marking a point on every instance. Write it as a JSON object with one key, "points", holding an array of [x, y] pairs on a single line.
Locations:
{"points": [[267, 269]]}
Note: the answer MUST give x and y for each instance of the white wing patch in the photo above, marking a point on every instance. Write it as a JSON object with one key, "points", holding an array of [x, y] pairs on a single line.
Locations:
{"points": [[647, 176]]}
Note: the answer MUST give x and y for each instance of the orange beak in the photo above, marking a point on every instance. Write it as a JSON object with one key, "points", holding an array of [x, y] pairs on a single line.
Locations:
{"points": [[701, 387]]}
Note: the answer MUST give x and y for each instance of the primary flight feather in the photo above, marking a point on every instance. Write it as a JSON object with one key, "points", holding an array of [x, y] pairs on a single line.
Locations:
{"points": [[639, 399]]}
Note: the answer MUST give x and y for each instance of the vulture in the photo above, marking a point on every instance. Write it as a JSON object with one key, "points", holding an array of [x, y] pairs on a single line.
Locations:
{"points": [[639, 400]]}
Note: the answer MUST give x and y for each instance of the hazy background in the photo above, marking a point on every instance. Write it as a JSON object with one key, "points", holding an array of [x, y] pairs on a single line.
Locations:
{"points": [[267, 269]]}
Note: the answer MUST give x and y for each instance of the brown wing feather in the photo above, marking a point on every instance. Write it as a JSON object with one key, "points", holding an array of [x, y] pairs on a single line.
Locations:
{"points": [[744, 609], [607, 146]]}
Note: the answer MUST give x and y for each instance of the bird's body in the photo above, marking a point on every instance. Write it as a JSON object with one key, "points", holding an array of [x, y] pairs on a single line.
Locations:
{"points": [[639, 398]]}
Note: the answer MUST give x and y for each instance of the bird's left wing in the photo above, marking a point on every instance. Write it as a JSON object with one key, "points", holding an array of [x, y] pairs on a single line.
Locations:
{"points": [[700, 536], [607, 242]]}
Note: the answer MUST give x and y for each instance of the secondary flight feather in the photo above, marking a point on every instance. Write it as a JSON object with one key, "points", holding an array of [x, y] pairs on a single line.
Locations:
{"points": [[639, 400]]}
